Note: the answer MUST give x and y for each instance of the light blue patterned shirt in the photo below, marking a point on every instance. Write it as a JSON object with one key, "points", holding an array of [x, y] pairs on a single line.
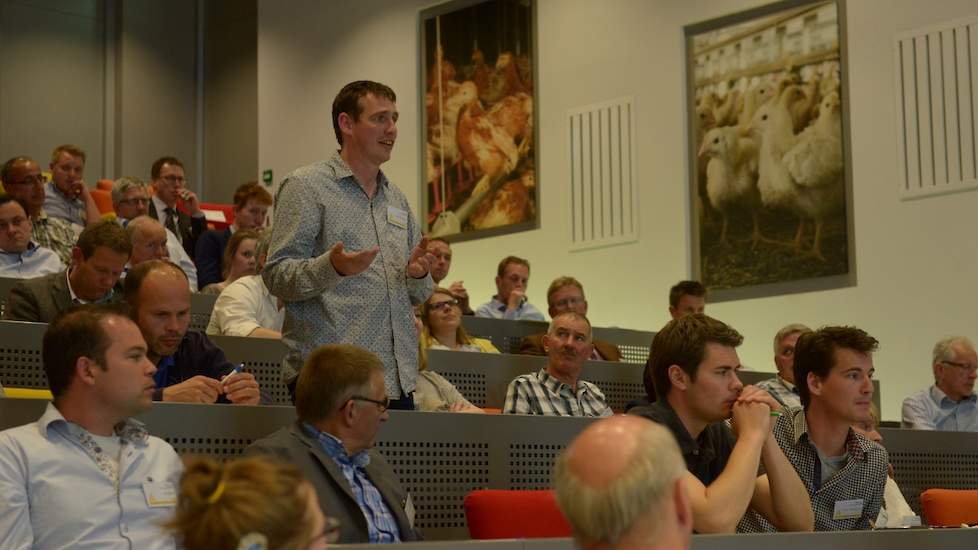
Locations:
{"points": [[58, 206], [782, 391], [497, 310], [316, 207], [932, 409], [381, 523], [36, 261], [58, 489]]}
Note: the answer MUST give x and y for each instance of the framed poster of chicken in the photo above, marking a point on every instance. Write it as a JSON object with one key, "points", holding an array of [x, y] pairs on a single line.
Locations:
{"points": [[769, 162], [479, 145]]}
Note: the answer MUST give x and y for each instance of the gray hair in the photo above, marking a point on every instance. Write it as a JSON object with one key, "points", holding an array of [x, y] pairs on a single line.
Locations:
{"points": [[608, 513], [136, 226], [944, 350], [787, 331], [123, 184], [573, 315]]}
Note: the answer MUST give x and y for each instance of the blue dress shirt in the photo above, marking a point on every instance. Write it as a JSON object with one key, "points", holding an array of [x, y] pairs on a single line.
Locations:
{"points": [[932, 409], [497, 310], [36, 261]]}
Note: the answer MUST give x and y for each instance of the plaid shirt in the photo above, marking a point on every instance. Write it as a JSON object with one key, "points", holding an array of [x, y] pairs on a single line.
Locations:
{"points": [[862, 477], [540, 393], [56, 234], [381, 523], [782, 391]]}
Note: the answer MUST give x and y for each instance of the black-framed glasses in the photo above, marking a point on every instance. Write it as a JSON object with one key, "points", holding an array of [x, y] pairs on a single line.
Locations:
{"points": [[382, 403], [443, 306], [29, 180], [174, 179], [963, 366]]}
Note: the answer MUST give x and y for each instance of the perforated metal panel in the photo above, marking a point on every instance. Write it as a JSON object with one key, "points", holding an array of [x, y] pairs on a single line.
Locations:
{"points": [[201, 306], [262, 358], [931, 460], [531, 464], [220, 448], [505, 335], [20, 355], [472, 385]]}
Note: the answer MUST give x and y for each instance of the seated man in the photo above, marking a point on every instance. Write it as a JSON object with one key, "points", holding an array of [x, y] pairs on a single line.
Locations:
{"points": [[189, 367], [694, 369], [621, 485], [685, 298], [86, 475], [782, 387], [557, 389], [567, 294], [510, 301], [21, 257], [98, 261], [151, 241], [251, 202], [950, 403], [66, 196], [442, 253], [170, 184], [340, 402], [245, 307], [130, 199], [22, 179]]}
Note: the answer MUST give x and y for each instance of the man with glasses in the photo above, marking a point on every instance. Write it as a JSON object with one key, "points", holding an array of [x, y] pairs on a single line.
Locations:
{"points": [[567, 294], [170, 187], [22, 179], [950, 403], [340, 403]]}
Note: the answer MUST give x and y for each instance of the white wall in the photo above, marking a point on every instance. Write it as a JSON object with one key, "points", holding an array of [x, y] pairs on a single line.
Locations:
{"points": [[915, 260]]}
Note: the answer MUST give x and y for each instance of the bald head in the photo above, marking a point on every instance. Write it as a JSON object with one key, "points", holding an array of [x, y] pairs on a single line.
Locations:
{"points": [[148, 238]]}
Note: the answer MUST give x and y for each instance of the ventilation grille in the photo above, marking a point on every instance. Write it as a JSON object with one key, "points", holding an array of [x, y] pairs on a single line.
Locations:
{"points": [[602, 171], [937, 79]]}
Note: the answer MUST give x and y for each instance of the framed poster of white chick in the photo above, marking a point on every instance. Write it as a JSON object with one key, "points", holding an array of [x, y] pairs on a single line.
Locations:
{"points": [[769, 163], [478, 158]]}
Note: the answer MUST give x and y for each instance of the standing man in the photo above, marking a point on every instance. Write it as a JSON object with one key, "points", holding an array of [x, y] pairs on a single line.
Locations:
{"points": [[687, 298], [22, 179], [567, 294], [512, 278], [782, 387], [66, 196], [169, 183], [950, 404], [86, 475], [441, 251], [348, 259]]}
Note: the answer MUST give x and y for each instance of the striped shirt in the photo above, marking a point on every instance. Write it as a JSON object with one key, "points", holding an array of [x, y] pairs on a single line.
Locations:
{"points": [[381, 523], [540, 393], [782, 391], [56, 234]]}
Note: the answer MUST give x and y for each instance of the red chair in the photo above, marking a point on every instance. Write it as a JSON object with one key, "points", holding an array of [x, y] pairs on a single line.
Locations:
{"points": [[950, 507], [103, 200], [215, 207], [498, 514]]}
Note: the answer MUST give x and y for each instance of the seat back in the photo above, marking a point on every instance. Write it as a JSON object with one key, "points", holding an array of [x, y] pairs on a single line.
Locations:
{"points": [[950, 507], [502, 514]]}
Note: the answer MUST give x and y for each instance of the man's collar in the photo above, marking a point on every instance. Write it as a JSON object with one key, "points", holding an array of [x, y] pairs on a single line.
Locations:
{"points": [[58, 191], [130, 430], [31, 247], [856, 445], [938, 395], [554, 384], [335, 449], [791, 387], [675, 424], [160, 205], [342, 171]]}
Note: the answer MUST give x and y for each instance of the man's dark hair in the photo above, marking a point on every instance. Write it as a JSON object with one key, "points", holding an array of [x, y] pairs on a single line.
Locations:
{"points": [[105, 233], [136, 275], [154, 172], [9, 165], [348, 101], [5, 198], [815, 353], [685, 288], [501, 270], [683, 342], [75, 333]]}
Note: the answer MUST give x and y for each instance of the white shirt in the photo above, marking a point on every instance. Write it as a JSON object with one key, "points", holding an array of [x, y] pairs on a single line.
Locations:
{"points": [[161, 216], [180, 257], [244, 306]]}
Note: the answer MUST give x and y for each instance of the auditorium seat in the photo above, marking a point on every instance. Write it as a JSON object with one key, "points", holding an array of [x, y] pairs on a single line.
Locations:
{"points": [[950, 507], [103, 200], [27, 393], [104, 185], [501, 514]]}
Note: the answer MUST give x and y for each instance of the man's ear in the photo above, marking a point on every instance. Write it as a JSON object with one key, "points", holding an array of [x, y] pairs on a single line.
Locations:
{"points": [[345, 122], [684, 512], [814, 384], [678, 377], [85, 369], [546, 342], [76, 255]]}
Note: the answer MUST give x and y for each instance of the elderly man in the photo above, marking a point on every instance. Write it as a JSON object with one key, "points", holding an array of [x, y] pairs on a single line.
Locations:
{"points": [[189, 367], [557, 389], [621, 485], [251, 203], [66, 196], [441, 251], [686, 298], [782, 387], [245, 307], [347, 258], [510, 302], [694, 367], [950, 403], [86, 475], [97, 263], [21, 257], [152, 241], [567, 294], [169, 183], [22, 179], [341, 400]]}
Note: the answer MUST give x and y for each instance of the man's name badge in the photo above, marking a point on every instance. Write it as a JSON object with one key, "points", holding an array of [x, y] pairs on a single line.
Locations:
{"points": [[848, 509], [159, 494], [397, 217]]}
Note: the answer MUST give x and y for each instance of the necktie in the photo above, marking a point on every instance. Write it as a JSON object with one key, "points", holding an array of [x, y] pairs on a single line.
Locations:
{"points": [[171, 223]]}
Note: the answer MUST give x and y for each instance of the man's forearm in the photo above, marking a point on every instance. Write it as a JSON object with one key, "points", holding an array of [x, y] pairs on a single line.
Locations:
{"points": [[727, 498], [790, 503]]}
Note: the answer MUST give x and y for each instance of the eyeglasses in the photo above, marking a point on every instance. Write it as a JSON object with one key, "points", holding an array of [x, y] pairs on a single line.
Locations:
{"points": [[134, 202], [963, 366], [174, 179], [443, 306], [29, 180], [383, 404], [567, 302]]}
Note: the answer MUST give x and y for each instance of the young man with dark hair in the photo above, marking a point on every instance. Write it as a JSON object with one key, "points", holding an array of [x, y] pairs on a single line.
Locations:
{"points": [[510, 302], [687, 297], [170, 185], [251, 203], [694, 364], [86, 474], [844, 473], [20, 256]]}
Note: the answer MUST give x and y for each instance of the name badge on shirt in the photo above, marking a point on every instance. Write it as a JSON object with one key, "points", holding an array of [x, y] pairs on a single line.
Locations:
{"points": [[159, 494], [848, 509], [397, 217]]}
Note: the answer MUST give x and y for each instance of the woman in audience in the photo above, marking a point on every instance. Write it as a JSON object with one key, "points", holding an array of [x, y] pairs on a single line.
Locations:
{"points": [[239, 260], [441, 328], [248, 503]]}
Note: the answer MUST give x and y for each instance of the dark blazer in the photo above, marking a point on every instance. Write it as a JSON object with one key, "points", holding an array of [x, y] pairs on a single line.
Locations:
{"points": [[295, 445], [190, 228], [533, 345], [41, 299], [209, 256]]}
